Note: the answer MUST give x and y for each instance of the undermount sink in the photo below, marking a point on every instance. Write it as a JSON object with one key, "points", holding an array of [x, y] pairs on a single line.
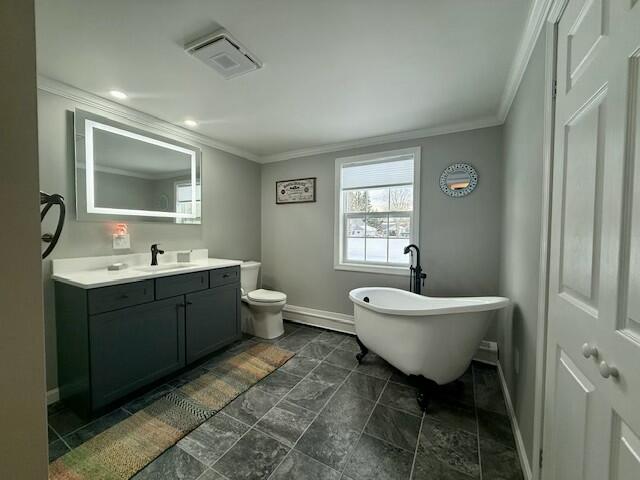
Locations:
{"points": [[165, 267]]}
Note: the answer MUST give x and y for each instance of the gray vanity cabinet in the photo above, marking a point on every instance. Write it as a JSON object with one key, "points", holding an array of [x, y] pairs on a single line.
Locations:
{"points": [[134, 346], [117, 339], [211, 320]]}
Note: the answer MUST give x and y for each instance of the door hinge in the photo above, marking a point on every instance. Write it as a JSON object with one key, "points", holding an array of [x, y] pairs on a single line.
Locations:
{"points": [[540, 460], [554, 89]]}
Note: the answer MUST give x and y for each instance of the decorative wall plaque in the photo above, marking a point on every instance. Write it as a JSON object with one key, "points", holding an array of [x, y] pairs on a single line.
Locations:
{"points": [[299, 190]]}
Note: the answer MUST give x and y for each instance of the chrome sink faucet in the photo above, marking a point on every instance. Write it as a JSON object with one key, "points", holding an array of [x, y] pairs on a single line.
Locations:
{"points": [[154, 254]]}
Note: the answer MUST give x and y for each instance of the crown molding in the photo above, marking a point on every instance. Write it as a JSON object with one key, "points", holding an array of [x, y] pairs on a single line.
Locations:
{"points": [[82, 97], [482, 122], [538, 15], [535, 21]]}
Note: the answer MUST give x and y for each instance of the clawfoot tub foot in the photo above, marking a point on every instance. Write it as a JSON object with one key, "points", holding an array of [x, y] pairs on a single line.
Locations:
{"points": [[363, 351], [426, 388]]}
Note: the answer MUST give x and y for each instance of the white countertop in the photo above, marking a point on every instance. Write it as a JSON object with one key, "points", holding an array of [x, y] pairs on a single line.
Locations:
{"points": [[91, 272]]}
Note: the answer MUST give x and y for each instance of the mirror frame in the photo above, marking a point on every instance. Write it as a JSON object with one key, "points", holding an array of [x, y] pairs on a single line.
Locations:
{"points": [[456, 167], [84, 125]]}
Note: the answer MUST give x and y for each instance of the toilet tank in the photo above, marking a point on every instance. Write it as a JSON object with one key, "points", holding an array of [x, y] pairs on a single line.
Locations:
{"points": [[249, 276]]}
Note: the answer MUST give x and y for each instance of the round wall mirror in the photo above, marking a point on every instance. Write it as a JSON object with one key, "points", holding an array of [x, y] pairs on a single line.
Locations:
{"points": [[458, 180]]}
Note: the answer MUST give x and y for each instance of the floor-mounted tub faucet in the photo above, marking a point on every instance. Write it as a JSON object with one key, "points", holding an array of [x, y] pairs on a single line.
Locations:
{"points": [[416, 281]]}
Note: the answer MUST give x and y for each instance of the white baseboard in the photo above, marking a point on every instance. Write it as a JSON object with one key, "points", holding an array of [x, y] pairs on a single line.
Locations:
{"points": [[53, 396], [487, 353], [522, 453], [339, 322]]}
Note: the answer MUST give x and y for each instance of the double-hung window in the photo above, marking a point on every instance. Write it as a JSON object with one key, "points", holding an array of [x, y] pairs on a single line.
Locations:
{"points": [[377, 203]]}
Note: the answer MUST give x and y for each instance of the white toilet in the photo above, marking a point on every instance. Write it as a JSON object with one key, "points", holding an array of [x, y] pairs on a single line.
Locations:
{"points": [[261, 309]]}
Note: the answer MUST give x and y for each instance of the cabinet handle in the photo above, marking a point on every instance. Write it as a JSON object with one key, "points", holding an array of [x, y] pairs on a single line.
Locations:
{"points": [[124, 296], [226, 275], [189, 303]]}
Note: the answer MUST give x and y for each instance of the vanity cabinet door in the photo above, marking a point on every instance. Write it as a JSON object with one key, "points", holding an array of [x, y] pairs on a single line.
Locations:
{"points": [[134, 346], [213, 320]]}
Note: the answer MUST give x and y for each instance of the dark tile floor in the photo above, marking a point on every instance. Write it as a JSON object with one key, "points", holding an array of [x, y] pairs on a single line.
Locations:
{"points": [[324, 417]]}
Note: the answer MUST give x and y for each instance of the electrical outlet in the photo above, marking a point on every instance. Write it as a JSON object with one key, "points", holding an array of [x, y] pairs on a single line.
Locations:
{"points": [[516, 361], [121, 241]]}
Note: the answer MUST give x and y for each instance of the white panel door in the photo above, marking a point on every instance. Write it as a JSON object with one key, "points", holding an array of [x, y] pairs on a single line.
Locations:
{"points": [[592, 404]]}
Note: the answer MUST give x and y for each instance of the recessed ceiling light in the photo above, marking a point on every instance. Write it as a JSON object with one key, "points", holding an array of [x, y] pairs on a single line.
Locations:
{"points": [[191, 123], [118, 94]]}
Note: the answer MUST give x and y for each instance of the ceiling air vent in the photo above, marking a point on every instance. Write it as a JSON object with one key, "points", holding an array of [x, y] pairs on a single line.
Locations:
{"points": [[224, 54]]}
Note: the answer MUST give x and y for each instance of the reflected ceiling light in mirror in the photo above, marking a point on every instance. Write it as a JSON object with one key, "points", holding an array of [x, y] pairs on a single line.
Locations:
{"points": [[191, 123], [118, 94]]}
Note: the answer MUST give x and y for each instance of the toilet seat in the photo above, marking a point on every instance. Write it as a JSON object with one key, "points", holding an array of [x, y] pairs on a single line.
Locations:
{"points": [[266, 296]]}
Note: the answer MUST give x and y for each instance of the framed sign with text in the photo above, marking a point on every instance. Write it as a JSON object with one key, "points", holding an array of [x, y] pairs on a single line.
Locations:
{"points": [[299, 190]]}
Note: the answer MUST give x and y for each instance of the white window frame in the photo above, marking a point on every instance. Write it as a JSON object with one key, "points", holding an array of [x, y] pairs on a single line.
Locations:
{"points": [[338, 233], [194, 202]]}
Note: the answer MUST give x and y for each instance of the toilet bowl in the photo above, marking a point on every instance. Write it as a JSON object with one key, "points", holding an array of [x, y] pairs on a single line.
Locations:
{"points": [[261, 309]]}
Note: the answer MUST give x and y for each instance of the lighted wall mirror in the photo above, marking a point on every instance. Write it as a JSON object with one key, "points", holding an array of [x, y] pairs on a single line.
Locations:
{"points": [[126, 173], [458, 180]]}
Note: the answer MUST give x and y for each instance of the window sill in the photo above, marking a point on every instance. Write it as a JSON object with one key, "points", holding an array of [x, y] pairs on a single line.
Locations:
{"points": [[380, 269]]}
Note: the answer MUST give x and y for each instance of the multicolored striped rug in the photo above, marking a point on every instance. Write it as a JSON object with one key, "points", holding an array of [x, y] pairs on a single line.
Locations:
{"points": [[126, 448]]}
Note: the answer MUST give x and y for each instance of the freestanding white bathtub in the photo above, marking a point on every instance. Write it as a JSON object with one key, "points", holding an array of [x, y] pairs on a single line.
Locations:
{"points": [[434, 337]]}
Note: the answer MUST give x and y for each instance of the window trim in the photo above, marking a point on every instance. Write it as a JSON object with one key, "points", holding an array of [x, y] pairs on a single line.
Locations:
{"points": [[338, 229], [194, 201]]}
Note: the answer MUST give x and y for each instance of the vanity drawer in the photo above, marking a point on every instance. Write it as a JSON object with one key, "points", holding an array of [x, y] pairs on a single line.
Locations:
{"points": [[106, 299], [224, 276], [179, 284]]}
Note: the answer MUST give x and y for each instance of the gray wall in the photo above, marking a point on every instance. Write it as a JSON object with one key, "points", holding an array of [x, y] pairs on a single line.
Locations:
{"points": [[22, 405], [231, 207], [459, 238], [520, 261]]}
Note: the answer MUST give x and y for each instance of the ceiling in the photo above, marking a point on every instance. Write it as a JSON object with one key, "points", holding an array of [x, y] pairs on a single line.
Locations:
{"points": [[334, 70]]}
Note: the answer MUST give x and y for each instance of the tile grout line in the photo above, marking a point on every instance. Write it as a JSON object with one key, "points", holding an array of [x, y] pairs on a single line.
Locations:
{"points": [[210, 467], [312, 421], [377, 402], [415, 452], [251, 427], [387, 441], [123, 407], [60, 437], [207, 467]]}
